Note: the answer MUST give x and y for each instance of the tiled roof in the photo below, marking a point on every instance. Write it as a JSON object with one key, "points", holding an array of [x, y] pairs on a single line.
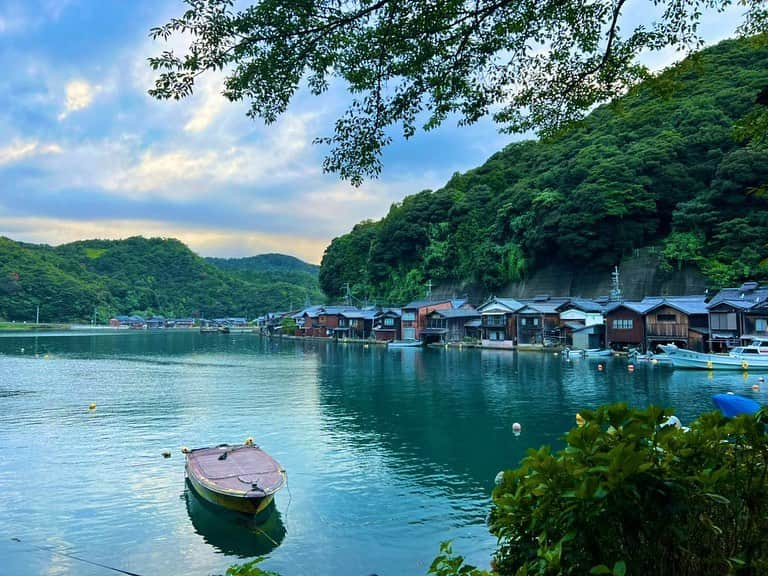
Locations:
{"points": [[686, 304], [510, 303], [457, 313], [743, 297], [586, 305], [639, 307]]}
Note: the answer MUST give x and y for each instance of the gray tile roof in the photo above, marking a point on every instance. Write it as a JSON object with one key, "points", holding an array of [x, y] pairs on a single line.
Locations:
{"points": [[639, 307], [457, 313], [510, 303], [586, 305], [695, 304], [746, 296]]}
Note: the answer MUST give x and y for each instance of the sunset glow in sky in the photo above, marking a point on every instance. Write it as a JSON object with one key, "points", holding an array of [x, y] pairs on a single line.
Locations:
{"points": [[86, 153]]}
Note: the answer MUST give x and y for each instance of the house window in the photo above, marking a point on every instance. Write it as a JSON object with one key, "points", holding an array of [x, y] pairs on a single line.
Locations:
{"points": [[723, 321], [494, 320], [409, 316], [353, 322], [666, 318], [389, 322], [623, 324], [761, 325]]}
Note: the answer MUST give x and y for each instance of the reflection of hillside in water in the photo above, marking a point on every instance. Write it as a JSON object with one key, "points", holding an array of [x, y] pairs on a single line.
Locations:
{"points": [[234, 533], [428, 410], [439, 412]]}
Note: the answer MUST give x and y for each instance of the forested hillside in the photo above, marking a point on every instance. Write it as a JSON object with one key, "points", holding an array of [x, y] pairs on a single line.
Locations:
{"points": [[661, 167], [136, 275]]}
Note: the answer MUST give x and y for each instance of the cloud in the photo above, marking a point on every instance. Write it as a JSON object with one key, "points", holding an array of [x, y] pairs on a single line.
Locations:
{"points": [[20, 150], [80, 95], [212, 105], [181, 173]]}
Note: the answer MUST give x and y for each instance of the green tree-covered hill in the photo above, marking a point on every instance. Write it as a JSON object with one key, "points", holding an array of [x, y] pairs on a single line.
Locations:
{"points": [[660, 167], [139, 275]]}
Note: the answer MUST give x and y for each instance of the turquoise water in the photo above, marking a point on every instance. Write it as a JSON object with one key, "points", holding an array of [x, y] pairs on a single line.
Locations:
{"points": [[388, 453]]}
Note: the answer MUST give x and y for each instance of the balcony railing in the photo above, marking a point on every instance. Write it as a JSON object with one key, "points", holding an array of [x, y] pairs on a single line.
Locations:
{"points": [[668, 329]]}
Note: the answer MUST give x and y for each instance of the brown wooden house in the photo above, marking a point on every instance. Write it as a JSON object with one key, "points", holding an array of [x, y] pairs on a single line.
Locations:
{"points": [[386, 325], [625, 325], [414, 314], [681, 320]]}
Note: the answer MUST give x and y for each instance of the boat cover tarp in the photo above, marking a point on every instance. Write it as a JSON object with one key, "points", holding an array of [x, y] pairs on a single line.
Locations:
{"points": [[732, 405], [245, 468]]}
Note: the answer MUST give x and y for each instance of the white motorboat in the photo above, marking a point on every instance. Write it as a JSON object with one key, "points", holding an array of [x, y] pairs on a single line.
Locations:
{"points": [[755, 355], [411, 343]]}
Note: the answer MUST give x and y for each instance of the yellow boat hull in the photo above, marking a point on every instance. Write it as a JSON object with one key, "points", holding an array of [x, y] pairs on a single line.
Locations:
{"points": [[234, 501]]}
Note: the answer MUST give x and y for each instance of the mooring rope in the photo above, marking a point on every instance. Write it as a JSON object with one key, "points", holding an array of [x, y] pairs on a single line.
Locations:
{"points": [[78, 558]]}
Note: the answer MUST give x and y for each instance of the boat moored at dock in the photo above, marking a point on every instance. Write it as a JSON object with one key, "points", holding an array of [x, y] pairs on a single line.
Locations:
{"points": [[405, 344], [755, 355]]}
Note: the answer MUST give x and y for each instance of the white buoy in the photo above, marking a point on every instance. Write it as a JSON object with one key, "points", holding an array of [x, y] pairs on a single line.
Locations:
{"points": [[516, 428]]}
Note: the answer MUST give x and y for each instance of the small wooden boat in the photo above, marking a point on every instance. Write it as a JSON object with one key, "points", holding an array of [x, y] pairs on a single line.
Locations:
{"points": [[243, 478], [405, 343]]}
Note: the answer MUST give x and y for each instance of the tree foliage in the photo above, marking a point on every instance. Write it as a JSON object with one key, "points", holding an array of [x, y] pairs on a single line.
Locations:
{"points": [[645, 171], [628, 495], [531, 64], [141, 276]]}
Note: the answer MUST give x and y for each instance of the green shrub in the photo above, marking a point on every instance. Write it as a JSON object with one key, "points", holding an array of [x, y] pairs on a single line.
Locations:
{"points": [[628, 496]]}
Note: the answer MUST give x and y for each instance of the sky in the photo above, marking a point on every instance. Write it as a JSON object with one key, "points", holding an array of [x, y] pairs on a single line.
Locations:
{"points": [[86, 153]]}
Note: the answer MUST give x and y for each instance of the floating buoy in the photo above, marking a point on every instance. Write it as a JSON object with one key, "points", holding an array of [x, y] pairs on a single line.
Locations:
{"points": [[600, 367], [248, 441], [166, 453], [580, 420], [756, 387], [365, 346], [516, 428], [22, 350], [184, 450], [631, 367], [92, 406], [761, 379]]}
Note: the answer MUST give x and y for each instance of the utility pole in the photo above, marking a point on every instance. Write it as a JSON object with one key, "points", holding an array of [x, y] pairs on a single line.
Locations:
{"points": [[348, 296], [429, 289], [615, 285], [37, 316]]}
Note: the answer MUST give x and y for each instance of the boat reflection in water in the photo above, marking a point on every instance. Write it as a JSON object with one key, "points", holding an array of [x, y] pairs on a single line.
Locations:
{"points": [[235, 533]]}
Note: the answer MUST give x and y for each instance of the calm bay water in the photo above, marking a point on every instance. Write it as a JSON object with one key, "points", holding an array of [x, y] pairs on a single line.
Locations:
{"points": [[388, 452]]}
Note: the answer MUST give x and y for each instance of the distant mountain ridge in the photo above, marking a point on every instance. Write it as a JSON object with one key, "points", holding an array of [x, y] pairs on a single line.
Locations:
{"points": [[265, 262], [145, 276]]}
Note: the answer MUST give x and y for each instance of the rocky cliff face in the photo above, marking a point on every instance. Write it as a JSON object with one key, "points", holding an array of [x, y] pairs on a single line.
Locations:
{"points": [[641, 275]]}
